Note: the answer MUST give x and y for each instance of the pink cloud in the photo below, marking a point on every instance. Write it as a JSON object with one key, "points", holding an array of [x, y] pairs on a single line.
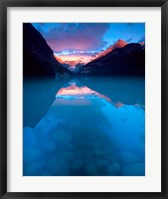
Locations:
{"points": [[82, 36]]}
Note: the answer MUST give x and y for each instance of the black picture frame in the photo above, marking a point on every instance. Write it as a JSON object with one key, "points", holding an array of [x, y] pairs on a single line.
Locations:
{"points": [[4, 4]]}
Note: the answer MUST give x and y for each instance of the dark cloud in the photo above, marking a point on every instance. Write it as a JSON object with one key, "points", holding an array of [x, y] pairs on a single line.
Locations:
{"points": [[71, 36], [129, 39]]}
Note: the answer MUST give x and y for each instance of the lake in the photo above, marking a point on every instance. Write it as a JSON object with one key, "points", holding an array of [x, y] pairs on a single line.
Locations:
{"points": [[84, 126]]}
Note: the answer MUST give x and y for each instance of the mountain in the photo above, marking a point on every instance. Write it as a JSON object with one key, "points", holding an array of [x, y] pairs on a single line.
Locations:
{"points": [[142, 43], [75, 91], [119, 44], [58, 59], [129, 59], [67, 65], [71, 61], [38, 58]]}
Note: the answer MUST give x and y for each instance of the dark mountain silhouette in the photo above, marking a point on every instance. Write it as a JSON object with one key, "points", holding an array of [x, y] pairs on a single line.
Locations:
{"points": [[129, 59], [38, 58]]}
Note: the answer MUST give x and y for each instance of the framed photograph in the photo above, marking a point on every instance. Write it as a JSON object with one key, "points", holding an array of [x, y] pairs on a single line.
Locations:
{"points": [[83, 99]]}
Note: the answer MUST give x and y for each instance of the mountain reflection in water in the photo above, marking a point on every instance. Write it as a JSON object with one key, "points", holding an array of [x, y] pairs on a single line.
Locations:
{"points": [[86, 133]]}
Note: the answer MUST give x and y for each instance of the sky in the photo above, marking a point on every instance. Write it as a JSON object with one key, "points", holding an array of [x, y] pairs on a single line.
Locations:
{"points": [[81, 41]]}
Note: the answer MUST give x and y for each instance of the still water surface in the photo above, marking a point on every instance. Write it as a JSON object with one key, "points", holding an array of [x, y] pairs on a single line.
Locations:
{"points": [[84, 126]]}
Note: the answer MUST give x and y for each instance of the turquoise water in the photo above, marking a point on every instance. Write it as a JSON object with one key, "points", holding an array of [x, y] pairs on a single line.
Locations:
{"points": [[84, 126]]}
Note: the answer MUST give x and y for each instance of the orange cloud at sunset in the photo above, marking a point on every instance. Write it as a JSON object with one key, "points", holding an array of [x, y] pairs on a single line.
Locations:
{"points": [[73, 59]]}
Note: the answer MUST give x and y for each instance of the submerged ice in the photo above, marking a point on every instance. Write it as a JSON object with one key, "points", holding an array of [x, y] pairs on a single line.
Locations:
{"points": [[86, 133]]}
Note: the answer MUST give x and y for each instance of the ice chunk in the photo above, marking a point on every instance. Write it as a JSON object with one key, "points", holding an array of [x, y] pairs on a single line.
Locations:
{"points": [[90, 169], [29, 138], [58, 167], [30, 154], [78, 164], [136, 169], [113, 169], [34, 168]]}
